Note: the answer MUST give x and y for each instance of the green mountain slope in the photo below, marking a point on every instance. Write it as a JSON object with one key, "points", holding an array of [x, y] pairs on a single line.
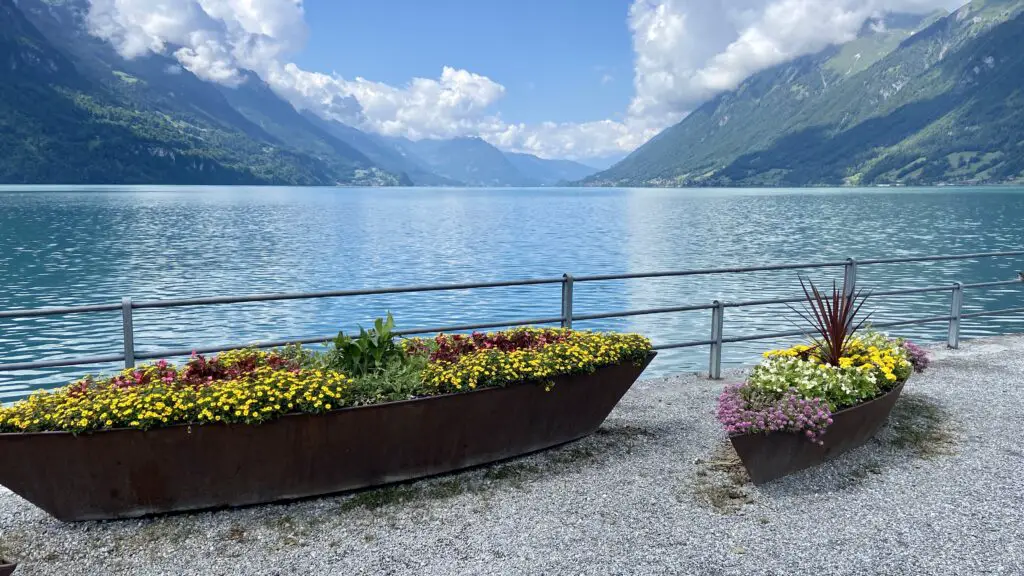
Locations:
{"points": [[88, 116], [549, 172], [935, 101]]}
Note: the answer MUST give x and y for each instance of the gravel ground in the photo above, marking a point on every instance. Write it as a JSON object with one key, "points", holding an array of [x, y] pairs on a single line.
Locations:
{"points": [[655, 492]]}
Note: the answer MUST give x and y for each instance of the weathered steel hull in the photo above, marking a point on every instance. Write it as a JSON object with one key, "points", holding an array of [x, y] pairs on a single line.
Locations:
{"points": [[129, 473], [771, 456]]}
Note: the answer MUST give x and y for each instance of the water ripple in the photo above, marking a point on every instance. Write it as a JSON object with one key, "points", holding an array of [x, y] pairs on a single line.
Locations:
{"points": [[61, 247]]}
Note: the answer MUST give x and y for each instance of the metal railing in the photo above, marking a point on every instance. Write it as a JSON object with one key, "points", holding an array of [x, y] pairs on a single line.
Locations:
{"points": [[566, 318]]}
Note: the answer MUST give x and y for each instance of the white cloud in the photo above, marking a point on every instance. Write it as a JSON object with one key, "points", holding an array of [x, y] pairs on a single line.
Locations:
{"points": [[689, 50], [685, 52], [455, 104], [210, 38], [607, 79]]}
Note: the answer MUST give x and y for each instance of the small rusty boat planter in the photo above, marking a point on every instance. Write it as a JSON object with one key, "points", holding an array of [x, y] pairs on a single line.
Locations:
{"points": [[771, 456], [130, 473], [6, 569]]}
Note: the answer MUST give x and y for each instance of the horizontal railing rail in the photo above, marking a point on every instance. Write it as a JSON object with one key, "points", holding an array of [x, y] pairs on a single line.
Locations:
{"points": [[129, 354]]}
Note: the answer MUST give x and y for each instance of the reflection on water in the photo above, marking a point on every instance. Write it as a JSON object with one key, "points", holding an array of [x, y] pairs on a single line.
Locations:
{"points": [[77, 246]]}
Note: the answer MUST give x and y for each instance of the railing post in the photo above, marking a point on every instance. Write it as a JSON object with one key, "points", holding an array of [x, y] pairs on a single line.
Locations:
{"points": [[850, 278], [567, 300], [957, 302], [128, 332], [717, 323]]}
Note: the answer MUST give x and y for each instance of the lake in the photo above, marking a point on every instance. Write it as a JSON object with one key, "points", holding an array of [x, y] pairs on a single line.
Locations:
{"points": [[71, 246]]}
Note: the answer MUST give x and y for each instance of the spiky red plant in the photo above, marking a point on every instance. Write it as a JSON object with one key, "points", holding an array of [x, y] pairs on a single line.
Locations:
{"points": [[834, 318]]}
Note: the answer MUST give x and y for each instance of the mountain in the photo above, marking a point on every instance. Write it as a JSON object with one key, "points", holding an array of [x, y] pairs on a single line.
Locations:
{"points": [[381, 152], [912, 100], [254, 99], [469, 160], [549, 172], [73, 111]]}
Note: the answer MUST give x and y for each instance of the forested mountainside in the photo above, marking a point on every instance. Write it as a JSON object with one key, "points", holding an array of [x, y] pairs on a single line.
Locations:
{"points": [[912, 100], [73, 111]]}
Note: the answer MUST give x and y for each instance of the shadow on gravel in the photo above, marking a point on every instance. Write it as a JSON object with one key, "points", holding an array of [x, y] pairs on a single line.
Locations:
{"points": [[918, 429], [288, 525], [610, 442]]}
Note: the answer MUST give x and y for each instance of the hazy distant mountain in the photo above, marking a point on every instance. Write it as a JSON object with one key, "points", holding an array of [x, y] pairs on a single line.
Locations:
{"points": [[549, 172], [912, 100], [383, 153], [470, 160]]}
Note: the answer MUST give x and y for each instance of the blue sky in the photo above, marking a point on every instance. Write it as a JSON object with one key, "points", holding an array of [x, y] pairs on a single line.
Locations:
{"points": [[550, 55]]}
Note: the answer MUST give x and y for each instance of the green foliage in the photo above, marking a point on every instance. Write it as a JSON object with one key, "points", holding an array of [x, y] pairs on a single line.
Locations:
{"points": [[73, 111], [941, 88], [399, 379], [372, 352]]}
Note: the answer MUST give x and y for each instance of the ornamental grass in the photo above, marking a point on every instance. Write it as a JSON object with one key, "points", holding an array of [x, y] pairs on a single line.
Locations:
{"points": [[252, 386]]}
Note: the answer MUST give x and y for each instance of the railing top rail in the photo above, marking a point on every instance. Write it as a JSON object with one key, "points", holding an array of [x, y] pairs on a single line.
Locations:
{"points": [[709, 271], [942, 257]]}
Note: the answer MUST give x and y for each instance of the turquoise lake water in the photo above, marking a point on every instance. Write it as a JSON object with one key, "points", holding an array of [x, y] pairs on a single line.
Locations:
{"points": [[70, 246]]}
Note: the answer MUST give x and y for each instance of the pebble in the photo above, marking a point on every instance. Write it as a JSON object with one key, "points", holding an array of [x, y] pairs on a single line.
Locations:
{"points": [[638, 497]]}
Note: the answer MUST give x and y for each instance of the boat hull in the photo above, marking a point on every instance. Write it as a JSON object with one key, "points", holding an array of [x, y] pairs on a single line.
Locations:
{"points": [[129, 473], [771, 456]]}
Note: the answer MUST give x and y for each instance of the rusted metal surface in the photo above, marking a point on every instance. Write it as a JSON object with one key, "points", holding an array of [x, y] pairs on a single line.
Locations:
{"points": [[770, 456], [6, 569], [130, 473]]}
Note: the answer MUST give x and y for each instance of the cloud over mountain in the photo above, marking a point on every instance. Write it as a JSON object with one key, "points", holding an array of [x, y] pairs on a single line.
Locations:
{"points": [[685, 51]]}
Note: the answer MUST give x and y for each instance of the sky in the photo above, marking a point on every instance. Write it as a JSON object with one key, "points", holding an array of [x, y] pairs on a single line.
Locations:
{"points": [[577, 79]]}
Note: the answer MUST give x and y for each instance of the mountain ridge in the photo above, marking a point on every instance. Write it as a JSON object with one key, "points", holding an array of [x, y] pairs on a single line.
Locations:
{"points": [[802, 123]]}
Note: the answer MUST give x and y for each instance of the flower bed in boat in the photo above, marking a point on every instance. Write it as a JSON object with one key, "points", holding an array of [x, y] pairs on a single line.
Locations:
{"points": [[250, 386]]}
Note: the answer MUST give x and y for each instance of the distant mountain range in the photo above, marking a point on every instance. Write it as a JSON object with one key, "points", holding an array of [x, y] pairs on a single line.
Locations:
{"points": [[73, 111], [912, 100]]}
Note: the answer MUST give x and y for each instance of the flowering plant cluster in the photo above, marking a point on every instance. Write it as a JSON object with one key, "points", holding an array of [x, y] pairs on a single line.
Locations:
{"points": [[743, 409], [243, 386], [525, 354], [449, 348], [797, 389], [251, 386], [918, 356], [870, 365]]}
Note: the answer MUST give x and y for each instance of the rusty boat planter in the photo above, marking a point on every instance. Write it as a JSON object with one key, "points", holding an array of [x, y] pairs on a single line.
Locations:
{"points": [[771, 456], [129, 473]]}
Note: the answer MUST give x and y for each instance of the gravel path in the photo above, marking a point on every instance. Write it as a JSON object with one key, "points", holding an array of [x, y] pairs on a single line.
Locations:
{"points": [[655, 492]]}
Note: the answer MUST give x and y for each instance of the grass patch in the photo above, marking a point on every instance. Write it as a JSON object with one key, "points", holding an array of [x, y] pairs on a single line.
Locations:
{"points": [[922, 427], [721, 482]]}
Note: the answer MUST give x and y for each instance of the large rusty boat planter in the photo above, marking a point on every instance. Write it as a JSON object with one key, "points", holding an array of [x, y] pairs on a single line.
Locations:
{"points": [[129, 473], [770, 456]]}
